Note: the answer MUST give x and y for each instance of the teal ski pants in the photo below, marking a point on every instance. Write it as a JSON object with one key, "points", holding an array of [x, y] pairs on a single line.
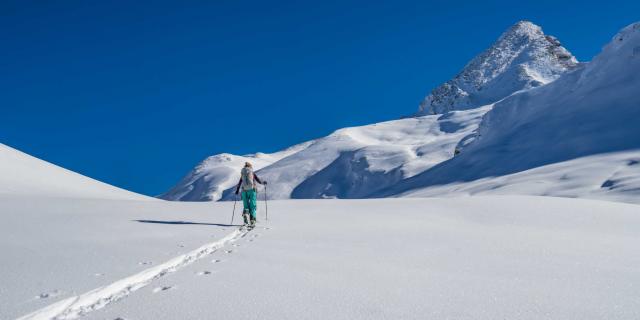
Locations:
{"points": [[250, 202]]}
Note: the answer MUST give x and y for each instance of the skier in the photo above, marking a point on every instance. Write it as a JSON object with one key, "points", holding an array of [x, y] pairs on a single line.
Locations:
{"points": [[247, 182]]}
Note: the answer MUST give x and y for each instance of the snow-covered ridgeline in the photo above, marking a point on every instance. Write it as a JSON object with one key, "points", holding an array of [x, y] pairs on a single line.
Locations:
{"points": [[349, 163], [354, 162]]}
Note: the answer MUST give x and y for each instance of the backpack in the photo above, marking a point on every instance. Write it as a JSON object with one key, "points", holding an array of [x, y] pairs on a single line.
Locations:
{"points": [[248, 182]]}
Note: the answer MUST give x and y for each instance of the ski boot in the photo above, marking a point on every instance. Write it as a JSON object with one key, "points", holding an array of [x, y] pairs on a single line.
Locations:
{"points": [[245, 217]]}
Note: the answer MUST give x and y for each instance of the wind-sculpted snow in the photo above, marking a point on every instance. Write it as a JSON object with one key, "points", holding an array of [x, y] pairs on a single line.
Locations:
{"points": [[522, 58], [592, 110], [24, 175]]}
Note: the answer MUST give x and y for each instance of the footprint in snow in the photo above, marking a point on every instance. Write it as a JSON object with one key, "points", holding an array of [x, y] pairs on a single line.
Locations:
{"points": [[50, 294], [145, 263], [204, 273], [254, 236], [163, 288], [216, 261], [181, 245]]}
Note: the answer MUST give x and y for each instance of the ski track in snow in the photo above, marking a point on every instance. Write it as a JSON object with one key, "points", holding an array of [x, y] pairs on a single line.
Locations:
{"points": [[74, 307]]}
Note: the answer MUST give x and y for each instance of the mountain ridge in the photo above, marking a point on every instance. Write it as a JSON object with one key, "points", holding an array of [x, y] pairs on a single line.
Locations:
{"points": [[393, 158]]}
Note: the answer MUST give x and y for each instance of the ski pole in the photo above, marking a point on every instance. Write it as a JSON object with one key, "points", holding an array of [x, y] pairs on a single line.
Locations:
{"points": [[235, 199], [266, 208]]}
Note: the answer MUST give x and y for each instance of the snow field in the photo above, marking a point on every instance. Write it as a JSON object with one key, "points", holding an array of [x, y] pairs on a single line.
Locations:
{"points": [[464, 258]]}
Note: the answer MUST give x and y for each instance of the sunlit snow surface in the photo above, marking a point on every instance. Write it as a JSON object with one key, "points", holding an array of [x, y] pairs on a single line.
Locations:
{"points": [[510, 257]]}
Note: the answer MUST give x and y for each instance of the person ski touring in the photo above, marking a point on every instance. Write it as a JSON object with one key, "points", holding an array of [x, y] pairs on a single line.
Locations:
{"points": [[247, 182]]}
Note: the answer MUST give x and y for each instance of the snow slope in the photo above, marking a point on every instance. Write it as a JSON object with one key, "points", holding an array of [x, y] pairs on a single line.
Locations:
{"points": [[593, 110], [24, 175], [511, 257], [211, 177], [64, 233], [522, 58]]}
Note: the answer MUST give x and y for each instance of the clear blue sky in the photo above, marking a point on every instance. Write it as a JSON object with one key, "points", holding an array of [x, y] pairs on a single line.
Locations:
{"points": [[136, 94]]}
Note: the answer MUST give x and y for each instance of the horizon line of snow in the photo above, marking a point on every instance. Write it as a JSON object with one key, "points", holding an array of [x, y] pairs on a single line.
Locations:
{"points": [[74, 307]]}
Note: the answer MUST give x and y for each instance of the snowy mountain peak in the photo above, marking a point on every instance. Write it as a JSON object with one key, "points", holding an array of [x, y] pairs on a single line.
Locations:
{"points": [[522, 58], [524, 27]]}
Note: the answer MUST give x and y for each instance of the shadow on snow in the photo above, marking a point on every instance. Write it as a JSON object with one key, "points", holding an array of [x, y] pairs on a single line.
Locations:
{"points": [[188, 222]]}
